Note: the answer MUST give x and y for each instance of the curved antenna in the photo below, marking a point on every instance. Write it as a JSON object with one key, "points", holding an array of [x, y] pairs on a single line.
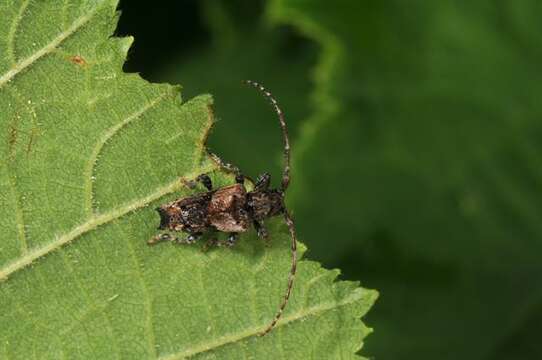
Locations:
{"points": [[291, 276], [289, 221], [286, 172]]}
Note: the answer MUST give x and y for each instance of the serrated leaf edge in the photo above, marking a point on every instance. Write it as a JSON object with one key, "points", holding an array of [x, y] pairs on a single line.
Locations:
{"points": [[355, 296]]}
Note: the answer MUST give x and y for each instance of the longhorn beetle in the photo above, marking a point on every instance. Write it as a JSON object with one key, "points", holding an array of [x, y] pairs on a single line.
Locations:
{"points": [[232, 209]]}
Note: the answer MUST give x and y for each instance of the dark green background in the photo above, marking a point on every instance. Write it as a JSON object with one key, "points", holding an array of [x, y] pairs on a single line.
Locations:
{"points": [[424, 182]]}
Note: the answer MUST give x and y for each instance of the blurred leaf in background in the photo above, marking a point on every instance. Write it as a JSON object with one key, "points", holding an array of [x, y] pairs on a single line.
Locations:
{"points": [[242, 47], [428, 171], [417, 144]]}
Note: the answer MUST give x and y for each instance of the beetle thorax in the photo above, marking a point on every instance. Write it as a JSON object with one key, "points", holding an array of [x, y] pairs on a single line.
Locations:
{"points": [[226, 211], [265, 203]]}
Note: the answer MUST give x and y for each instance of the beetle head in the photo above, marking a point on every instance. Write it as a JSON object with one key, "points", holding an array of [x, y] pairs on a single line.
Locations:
{"points": [[164, 218]]}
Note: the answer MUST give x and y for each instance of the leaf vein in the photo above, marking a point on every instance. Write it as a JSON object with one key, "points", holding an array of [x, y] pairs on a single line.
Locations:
{"points": [[205, 298], [90, 305], [93, 223], [91, 164], [19, 216], [254, 331], [25, 63], [151, 337], [308, 286], [10, 41], [65, 12]]}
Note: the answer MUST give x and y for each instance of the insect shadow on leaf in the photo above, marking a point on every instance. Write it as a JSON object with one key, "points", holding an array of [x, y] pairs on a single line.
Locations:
{"points": [[232, 209]]}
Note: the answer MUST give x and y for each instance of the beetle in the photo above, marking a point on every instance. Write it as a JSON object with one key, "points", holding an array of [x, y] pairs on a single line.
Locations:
{"points": [[232, 209]]}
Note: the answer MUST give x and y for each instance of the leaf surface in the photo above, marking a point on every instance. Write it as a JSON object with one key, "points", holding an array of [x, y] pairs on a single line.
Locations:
{"points": [[88, 152]]}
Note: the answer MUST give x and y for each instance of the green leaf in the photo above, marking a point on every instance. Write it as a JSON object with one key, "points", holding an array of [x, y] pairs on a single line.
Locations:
{"points": [[433, 110], [88, 152]]}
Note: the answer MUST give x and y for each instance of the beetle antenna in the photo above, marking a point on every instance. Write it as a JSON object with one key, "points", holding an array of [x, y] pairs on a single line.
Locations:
{"points": [[289, 221], [291, 276], [286, 172]]}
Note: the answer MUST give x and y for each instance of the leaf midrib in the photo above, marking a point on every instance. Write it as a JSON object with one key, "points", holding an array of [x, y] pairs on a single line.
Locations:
{"points": [[96, 221]]}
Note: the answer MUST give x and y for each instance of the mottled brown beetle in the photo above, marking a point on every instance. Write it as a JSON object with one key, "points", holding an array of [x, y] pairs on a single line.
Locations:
{"points": [[233, 210]]}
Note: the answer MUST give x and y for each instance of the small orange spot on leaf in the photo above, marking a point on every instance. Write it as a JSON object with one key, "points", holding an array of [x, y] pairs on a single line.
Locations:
{"points": [[78, 60]]}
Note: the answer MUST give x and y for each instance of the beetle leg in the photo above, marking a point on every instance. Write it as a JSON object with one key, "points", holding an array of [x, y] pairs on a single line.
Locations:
{"points": [[212, 242], [240, 178], [206, 181], [263, 181], [190, 239], [260, 229], [159, 238], [232, 239]]}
